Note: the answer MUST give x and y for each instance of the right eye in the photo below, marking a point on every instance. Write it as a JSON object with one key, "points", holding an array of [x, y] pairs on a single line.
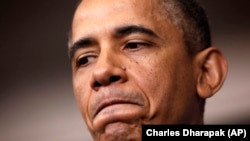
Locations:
{"points": [[85, 60]]}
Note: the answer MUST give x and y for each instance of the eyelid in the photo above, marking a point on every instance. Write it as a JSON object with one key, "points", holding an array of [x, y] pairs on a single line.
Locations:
{"points": [[141, 41], [137, 41]]}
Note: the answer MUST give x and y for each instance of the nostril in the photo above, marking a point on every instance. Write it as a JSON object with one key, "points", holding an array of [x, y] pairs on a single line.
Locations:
{"points": [[114, 78], [97, 84]]}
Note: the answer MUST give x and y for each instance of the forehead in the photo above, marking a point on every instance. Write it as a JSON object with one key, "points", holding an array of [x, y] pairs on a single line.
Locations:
{"points": [[105, 13], [92, 6]]}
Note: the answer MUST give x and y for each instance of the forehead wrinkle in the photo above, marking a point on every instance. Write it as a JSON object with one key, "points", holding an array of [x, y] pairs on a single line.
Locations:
{"points": [[90, 18], [92, 15]]}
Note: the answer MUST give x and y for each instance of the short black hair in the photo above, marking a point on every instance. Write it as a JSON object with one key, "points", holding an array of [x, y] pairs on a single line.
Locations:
{"points": [[192, 20]]}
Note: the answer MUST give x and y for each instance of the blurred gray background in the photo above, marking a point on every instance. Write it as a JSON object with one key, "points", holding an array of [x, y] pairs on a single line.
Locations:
{"points": [[36, 97]]}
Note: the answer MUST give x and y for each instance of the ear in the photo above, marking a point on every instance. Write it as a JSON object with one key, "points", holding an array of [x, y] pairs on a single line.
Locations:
{"points": [[211, 68]]}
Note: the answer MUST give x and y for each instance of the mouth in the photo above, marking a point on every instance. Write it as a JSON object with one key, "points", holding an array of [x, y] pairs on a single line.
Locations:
{"points": [[116, 105], [112, 102]]}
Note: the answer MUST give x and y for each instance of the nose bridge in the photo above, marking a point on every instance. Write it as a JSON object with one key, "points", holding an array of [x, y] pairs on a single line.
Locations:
{"points": [[106, 59], [108, 68]]}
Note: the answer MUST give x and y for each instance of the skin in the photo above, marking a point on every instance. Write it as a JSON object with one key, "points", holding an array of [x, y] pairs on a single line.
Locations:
{"points": [[130, 69]]}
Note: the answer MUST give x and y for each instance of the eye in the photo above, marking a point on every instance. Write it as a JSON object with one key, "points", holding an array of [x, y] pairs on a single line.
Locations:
{"points": [[136, 45], [85, 60]]}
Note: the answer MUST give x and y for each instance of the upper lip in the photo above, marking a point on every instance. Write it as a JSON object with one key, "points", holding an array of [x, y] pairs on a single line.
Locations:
{"points": [[111, 97]]}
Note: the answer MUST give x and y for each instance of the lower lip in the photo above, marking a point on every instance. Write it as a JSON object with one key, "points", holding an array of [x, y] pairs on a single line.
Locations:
{"points": [[117, 113]]}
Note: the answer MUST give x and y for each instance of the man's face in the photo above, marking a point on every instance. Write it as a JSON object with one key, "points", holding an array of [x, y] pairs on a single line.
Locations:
{"points": [[130, 67]]}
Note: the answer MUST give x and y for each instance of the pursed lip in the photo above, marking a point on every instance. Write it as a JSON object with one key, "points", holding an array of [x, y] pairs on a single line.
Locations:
{"points": [[109, 102], [112, 97]]}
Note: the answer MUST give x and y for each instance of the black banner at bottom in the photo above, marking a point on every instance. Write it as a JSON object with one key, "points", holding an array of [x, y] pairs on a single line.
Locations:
{"points": [[203, 132]]}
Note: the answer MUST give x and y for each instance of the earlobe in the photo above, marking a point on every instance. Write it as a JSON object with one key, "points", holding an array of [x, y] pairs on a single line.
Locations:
{"points": [[212, 71]]}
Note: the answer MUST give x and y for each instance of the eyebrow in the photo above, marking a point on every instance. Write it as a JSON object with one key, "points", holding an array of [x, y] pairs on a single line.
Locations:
{"points": [[130, 29], [81, 43], [118, 32]]}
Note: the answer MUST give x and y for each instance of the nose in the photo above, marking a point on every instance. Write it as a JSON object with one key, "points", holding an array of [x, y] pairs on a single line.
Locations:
{"points": [[108, 70]]}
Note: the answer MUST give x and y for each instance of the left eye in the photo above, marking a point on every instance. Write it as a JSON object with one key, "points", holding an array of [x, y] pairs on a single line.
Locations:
{"points": [[85, 60], [136, 45]]}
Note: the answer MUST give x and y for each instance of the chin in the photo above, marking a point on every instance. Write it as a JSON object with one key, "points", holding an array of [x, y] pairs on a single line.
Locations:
{"points": [[120, 131]]}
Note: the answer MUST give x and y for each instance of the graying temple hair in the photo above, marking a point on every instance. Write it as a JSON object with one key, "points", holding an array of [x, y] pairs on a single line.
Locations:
{"points": [[192, 20]]}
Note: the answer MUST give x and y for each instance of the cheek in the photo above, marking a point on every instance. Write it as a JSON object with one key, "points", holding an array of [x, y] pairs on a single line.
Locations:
{"points": [[154, 79], [160, 80], [80, 87], [159, 87]]}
